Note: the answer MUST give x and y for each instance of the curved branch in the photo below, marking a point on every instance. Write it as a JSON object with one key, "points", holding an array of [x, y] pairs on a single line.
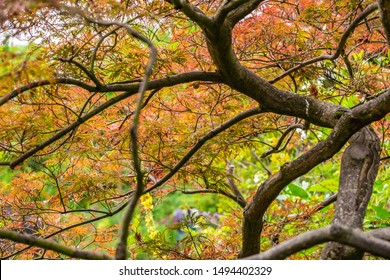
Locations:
{"points": [[49, 245], [201, 76], [121, 251], [370, 9], [353, 237], [193, 13], [84, 69], [324, 203], [97, 46], [32, 85], [235, 10]]}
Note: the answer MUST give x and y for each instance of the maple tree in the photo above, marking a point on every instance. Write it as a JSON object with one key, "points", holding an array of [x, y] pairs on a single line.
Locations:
{"points": [[114, 105]]}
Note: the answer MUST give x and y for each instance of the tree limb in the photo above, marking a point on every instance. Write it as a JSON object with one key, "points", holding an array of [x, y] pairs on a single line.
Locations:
{"points": [[4, 99], [353, 237], [49, 245], [89, 74], [72, 226], [132, 88], [239, 200], [348, 124]]}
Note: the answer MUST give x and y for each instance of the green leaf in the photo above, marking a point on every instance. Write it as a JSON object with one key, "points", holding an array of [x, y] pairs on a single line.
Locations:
{"points": [[297, 191], [329, 185], [382, 213]]}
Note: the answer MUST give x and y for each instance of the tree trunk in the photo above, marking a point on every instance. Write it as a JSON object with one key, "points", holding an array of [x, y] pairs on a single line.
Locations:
{"points": [[359, 167]]}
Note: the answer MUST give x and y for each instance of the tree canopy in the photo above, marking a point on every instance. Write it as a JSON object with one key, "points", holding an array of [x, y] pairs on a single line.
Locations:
{"points": [[117, 116]]}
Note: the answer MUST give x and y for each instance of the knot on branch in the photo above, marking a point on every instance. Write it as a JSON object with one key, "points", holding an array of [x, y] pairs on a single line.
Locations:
{"points": [[336, 230]]}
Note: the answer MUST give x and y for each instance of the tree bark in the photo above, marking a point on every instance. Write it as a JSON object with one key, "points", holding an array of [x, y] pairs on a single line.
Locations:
{"points": [[359, 167]]}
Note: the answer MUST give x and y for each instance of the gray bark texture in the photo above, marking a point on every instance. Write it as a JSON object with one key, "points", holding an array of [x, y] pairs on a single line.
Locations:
{"points": [[359, 167]]}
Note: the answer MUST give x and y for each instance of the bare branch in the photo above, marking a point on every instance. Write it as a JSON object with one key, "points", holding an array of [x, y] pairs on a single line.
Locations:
{"points": [[98, 44], [49, 245], [202, 76], [325, 203]]}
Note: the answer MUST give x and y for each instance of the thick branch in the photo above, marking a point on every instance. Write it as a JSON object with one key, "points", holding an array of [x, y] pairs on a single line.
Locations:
{"points": [[359, 167], [132, 88], [353, 237], [382, 233], [49, 245]]}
